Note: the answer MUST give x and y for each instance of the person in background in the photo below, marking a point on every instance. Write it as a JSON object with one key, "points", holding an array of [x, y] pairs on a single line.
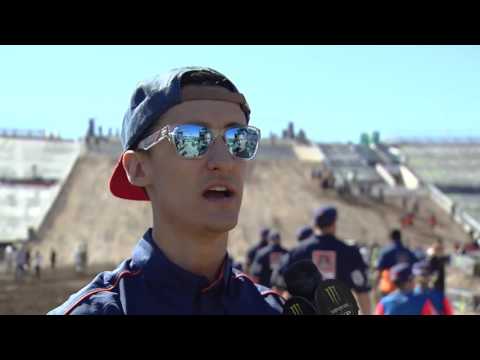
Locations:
{"points": [[9, 258], [394, 253], [252, 252], [434, 291], [53, 258], [268, 260], [404, 301], [333, 258], [37, 264], [20, 263]]}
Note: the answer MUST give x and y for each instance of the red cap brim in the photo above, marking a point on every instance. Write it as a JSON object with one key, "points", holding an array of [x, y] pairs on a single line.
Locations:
{"points": [[122, 188]]}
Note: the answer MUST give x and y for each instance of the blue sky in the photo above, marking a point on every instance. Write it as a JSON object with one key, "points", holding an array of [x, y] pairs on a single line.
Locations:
{"points": [[333, 92]]}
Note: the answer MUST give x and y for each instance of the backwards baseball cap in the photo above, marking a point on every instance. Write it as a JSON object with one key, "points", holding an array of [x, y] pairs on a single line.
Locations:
{"points": [[401, 273], [325, 216], [153, 98]]}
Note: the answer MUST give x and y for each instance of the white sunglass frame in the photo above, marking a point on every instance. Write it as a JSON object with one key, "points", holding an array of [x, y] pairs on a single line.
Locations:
{"points": [[167, 132]]}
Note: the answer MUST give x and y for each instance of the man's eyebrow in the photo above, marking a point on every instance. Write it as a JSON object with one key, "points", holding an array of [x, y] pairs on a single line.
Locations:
{"points": [[230, 124]]}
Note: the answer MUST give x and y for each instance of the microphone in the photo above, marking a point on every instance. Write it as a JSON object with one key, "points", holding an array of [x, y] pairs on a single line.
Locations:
{"points": [[301, 280], [311, 295]]}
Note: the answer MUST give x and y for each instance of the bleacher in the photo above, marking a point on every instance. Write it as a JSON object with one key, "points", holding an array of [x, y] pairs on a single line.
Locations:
{"points": [[345, 160], [24, 205], [454, 168], [342, 155], [278, 150], [445, 164], [384, 153], [468, 202]]}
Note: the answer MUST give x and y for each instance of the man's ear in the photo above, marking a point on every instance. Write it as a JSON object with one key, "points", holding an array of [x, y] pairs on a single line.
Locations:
{"points": [[136, 168]]}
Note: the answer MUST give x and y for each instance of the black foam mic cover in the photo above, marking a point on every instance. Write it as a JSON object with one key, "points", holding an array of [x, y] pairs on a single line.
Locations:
{"points": [[302, 279], [332, 297], [297, 305]]}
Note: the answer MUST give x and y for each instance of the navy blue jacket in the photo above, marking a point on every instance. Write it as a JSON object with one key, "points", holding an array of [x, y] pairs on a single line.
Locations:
{"points": [[394, 254], [265, 262], [150, 284], [334, 259]]}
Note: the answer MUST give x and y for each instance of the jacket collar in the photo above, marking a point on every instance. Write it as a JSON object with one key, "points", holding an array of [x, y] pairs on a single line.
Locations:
{"points": [[162, 275]]}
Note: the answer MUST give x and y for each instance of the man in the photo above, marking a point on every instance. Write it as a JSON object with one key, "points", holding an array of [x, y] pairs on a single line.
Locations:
{"points": [[423, 271], [438, 260], [242, 143], [276, 280], [333, 258], [268, 260], [37, 264], [391, 255], [53, 258], [252, 252], [9, 258], [20, 263], [181, 265], [403, 301]]}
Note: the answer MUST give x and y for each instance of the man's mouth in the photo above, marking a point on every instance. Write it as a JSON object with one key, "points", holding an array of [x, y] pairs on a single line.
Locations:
{"points": [[218, 193]]}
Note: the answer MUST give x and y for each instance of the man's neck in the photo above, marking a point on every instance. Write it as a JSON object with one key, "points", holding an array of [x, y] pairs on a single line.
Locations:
{"points": [[200, 254], [319, 232]]}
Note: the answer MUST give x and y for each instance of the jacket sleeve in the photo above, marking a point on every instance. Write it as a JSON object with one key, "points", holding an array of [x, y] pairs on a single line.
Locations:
{"points": [[275, 301], [102, 303]]}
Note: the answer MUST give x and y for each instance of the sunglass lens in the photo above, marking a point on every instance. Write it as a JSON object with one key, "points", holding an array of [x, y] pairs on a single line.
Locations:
{"points": [[191, 141], [242, 142]]}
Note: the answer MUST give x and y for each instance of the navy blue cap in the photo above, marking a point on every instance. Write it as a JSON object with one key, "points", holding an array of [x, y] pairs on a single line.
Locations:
{"points": [[153, 98], [304, 233], [325, 216], [275, 236], [264, 232], [401, 272]]}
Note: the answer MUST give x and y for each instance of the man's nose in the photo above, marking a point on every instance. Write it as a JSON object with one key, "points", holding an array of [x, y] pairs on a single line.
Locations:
{"points": [[218, 156]]}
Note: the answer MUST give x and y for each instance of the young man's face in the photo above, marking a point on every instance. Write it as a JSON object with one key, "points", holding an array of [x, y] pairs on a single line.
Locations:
{"points": [[177, 186], [242, 141]]}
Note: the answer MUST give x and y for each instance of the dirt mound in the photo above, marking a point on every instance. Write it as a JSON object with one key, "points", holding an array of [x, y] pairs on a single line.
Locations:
{"points": [[278, 193]]}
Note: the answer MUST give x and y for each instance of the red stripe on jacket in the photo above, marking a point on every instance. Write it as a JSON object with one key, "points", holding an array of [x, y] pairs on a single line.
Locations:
{"points": [[87, 295], [379, 309], [428, 309], [264, 293], [447, 307]]}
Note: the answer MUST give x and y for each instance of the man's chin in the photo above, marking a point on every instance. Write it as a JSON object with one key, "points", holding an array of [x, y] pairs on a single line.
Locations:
{"points": [[221, 225]]}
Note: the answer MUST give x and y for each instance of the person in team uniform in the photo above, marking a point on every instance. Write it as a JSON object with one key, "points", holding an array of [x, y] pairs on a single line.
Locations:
{"points": [[268, 259], [251, 252], [394, 253], [333, 257]]}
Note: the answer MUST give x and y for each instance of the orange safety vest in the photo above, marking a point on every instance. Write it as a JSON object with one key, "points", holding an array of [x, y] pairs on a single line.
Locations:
{"points": [[386, 285]]}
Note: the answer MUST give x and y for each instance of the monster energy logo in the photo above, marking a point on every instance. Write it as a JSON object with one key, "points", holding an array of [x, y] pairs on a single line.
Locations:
{"points": [[296, 310], [333, 294]]}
